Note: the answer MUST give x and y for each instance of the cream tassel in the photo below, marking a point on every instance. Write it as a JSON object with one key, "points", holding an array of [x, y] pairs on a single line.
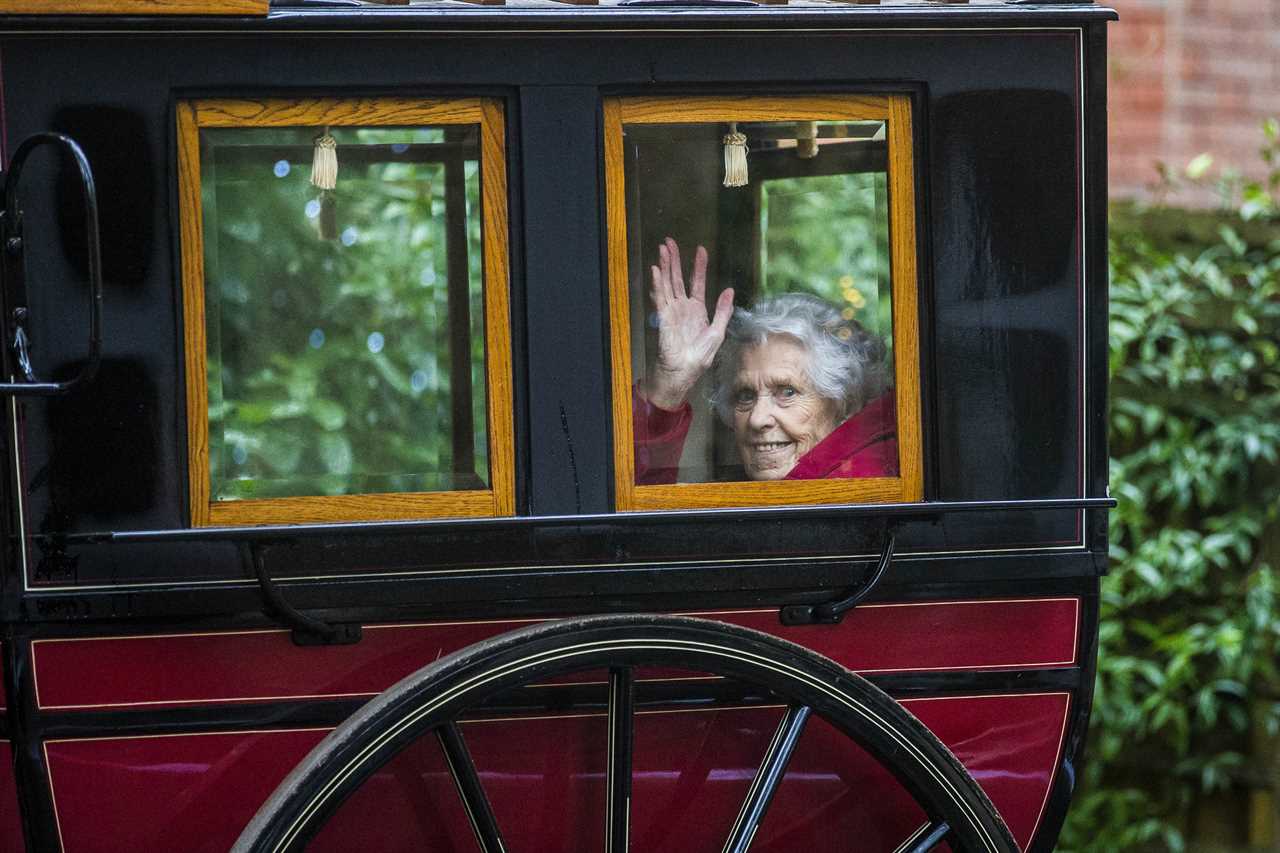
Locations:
{"points": [[807, 140], [324, 162], [735, 158]]}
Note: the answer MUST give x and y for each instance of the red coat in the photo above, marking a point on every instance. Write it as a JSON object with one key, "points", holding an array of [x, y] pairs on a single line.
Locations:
{"points": [[865, 445]]}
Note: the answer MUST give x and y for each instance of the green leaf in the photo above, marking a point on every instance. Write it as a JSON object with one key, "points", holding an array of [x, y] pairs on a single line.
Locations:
{"points": [[330, 415]]}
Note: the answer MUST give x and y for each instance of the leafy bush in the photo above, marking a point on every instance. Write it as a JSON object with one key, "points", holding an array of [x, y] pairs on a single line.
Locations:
{"points": [[1190, 616], [331, 364]]}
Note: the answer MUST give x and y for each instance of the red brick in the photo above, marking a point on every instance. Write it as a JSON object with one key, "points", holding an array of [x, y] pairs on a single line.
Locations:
{"points": [[1225, 81]]}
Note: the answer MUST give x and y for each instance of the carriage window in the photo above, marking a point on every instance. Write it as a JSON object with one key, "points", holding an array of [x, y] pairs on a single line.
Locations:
{"points": [[345, 285], [763, 301]]}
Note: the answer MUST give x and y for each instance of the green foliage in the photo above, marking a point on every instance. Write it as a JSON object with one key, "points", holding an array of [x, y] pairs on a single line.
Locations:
{"points": [[1190, 620], [329, 353], [804, 253]]}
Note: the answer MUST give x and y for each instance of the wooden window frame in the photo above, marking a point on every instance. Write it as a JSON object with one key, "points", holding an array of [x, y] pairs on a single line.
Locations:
{"points": [[487, 113], [134, 7], [895, 110]]}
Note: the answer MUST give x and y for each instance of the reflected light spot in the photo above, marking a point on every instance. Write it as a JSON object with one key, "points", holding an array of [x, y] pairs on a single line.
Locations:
{"points": [[375, 342], [428, 276], [399, 147], [349, 236], [855, 298], [239, 455], [418, 381], [281, 168], [316, 338], [313, 208]]}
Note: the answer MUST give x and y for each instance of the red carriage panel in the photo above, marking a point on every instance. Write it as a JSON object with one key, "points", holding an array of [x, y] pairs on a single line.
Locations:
{"points": [[545, 778], [178, 792], [255, 666]]}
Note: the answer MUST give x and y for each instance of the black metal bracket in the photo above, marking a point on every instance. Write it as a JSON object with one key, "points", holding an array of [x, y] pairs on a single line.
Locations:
{"points": [[13, 241], [832, 612], [307, 630]]}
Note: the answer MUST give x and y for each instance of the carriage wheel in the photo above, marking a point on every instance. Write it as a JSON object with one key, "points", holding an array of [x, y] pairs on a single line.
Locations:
{"points": [[432, 700]]}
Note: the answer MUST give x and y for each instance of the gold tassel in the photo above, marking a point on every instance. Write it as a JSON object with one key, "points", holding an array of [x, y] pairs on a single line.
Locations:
{"points": [[807, 140], [324, 162], [324, 177], [735, 157]]}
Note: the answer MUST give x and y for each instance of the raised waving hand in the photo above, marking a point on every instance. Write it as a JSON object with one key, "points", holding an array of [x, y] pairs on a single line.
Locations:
{"points": [[687, 339]]}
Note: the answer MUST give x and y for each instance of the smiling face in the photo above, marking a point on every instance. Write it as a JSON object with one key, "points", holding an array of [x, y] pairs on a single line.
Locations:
{"points": [[777, 416]]}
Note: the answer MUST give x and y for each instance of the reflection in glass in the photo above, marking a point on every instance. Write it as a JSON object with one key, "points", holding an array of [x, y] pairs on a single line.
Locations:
{"points": [[345, 326], [762, 338]]}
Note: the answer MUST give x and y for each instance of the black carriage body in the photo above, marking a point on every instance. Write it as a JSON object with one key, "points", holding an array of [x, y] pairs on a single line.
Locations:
{"points": [[1008, 105]]}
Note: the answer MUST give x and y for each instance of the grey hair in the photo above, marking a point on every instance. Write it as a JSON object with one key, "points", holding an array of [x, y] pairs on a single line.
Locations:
{"points": [[847, 364]]}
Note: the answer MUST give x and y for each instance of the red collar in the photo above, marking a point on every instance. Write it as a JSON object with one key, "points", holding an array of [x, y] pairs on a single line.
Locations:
{"points": [[841, 454]]}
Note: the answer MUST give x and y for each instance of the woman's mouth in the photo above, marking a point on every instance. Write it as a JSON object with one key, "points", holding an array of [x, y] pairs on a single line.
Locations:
{"points": [[769, 446], [768, 460]]}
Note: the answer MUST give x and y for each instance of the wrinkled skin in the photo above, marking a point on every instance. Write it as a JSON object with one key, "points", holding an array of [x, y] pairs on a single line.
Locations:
{"points": [[687, 340], [777, 416]]}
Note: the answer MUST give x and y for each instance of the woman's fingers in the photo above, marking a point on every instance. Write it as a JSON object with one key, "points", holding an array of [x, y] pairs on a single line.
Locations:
{"points": [[664, 267], [698, 286], [677, 274], [663, 295], [658, 292], [724, 310], [667, 280]]}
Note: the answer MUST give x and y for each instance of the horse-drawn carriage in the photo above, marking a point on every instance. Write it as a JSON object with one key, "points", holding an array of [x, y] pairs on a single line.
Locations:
{"points": [[512, 427]]}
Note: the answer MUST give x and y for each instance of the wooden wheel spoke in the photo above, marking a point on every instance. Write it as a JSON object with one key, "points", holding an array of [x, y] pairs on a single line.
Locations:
{"points": [[767, 779], [474, 800], [931, 838], [618, 772]]}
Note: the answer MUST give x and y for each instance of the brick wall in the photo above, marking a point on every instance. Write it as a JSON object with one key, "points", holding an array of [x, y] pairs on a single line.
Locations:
{"points": [[1189, 76]]}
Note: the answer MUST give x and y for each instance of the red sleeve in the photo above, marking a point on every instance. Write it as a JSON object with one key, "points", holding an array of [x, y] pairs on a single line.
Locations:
{"points": [[659, 439]]}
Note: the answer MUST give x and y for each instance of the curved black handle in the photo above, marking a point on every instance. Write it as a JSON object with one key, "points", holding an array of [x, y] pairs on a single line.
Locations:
{"points": [[13, 246], [307, 630], [831, 612]]}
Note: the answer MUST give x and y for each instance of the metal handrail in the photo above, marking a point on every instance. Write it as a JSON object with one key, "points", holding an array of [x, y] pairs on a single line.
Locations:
{"points": [[14, 246], [893, 511]]}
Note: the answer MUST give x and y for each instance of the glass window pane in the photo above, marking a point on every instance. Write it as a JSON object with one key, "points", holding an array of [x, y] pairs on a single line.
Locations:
{"points": [[761, 303], [345, 327]]}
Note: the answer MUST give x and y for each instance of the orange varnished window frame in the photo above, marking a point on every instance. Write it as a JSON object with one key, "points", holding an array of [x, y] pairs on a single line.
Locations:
{"points": [[499, 498], [895, 110], [134, 7]]}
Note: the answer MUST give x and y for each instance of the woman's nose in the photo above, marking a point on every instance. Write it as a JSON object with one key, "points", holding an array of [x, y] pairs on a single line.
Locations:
{"points": [[762, 413]]}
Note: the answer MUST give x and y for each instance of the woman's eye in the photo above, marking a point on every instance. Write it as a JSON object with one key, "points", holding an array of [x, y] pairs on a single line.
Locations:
{"points": [[787, 392], [743, 397]]}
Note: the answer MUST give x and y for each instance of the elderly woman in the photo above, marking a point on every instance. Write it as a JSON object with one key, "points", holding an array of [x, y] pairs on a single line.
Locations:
{"points": [[806, 392]]}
